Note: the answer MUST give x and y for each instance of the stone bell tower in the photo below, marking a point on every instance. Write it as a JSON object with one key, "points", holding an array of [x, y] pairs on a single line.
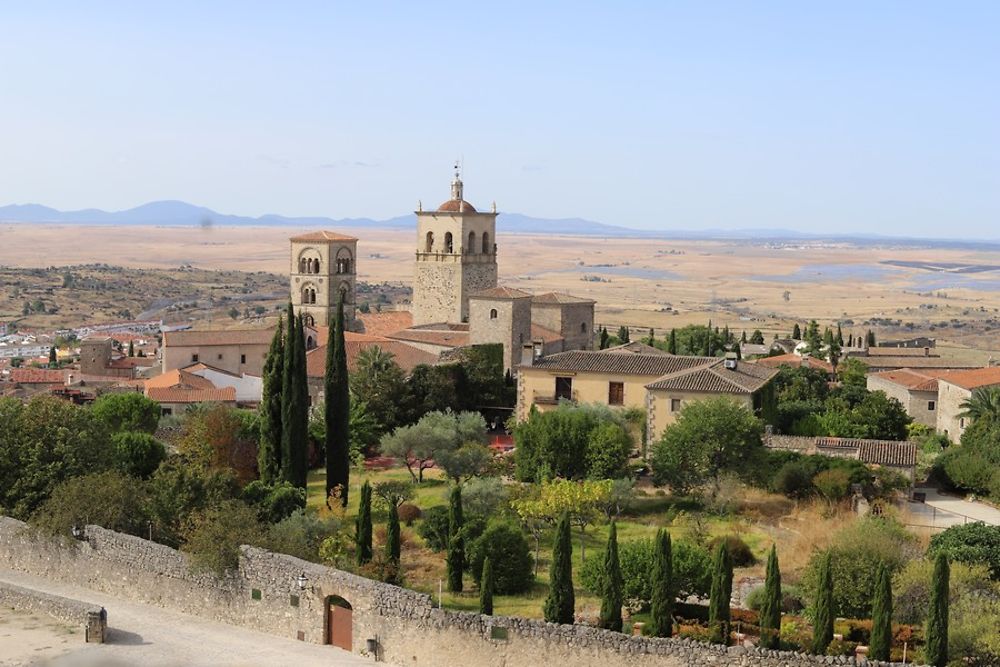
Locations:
{"points": [[456, 256], [322, 269]]}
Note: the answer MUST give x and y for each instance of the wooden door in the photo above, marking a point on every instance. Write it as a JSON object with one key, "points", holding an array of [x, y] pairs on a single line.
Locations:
{"points": [[339, 626]]}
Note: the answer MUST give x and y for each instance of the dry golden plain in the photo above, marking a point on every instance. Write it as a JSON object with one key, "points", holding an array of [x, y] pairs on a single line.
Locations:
{"points": [[644, 283]]}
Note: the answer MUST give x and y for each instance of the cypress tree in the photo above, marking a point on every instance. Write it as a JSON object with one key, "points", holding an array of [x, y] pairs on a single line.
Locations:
{"points": [[486, 588], [796, 332], [131, 350], [363, 526], [840, 336], [337, 409], [623, 334], [561, 603], [770, 611], [289, 408], [392, 543], [456, 542], [652, 336], [269, 447], [936, 635], [823, 607], [54, 360], [738, 351], [672, 346], [604, 338], [743, 337], [721, 594], [881, 640], [611, 599], [662, 602]]}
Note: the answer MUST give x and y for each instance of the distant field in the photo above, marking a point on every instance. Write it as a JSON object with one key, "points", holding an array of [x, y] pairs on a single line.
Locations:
{"points": [[950, 293]]}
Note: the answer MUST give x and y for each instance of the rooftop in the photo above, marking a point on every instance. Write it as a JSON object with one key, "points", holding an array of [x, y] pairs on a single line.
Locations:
{"points": [[322, 235], [501, 293], [456, 206], [796, 361], [654, 365], [218, 337], [558, 298], [974, 379], [181, 395], [923, 380], [406, 356], [635, 347], [37, 376], [716, 378]]}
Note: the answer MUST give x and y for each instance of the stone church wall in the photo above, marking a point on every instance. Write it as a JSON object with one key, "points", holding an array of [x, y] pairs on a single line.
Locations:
{"points": [[263, 594]]}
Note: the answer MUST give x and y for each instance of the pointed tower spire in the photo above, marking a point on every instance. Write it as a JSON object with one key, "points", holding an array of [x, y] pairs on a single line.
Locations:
{"points": [[456, 185]]}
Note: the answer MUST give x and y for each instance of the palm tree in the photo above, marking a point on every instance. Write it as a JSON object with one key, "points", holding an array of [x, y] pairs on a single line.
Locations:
{"points": [[373, 361], [984, 404]]}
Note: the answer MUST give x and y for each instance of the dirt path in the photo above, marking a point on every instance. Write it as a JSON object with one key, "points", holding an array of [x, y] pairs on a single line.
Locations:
{"points": [[150, 636]]}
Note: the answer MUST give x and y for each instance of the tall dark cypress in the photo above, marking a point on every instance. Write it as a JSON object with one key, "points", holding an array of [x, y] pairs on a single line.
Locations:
{"points": [[392, 542], [456, 541], [611, 599], [770, 610], [560, 605], [936, 634], [662, 602], [338, 410], [881, 641], [721, 594], [672, 346], [486, 586], [796, 332], [289, 408], [823, 611], [269, 447], [363, 526]]}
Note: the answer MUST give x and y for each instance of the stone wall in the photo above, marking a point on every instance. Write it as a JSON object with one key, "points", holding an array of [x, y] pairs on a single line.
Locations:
{"points": [[264, 594], [90, 617]]}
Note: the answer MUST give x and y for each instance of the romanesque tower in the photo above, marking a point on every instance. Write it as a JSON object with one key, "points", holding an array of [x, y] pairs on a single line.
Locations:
{"points": [[456, 256], [323, 269]]}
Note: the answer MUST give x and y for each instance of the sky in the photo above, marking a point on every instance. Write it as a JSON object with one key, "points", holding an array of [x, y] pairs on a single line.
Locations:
{"points": [[873, 117]]}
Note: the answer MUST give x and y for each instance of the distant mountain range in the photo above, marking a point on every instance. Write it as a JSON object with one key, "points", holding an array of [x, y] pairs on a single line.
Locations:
{"points": [[178, 214]]}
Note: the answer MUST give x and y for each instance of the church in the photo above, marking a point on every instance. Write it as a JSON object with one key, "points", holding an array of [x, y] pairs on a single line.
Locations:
{"points": [[457, 299]]}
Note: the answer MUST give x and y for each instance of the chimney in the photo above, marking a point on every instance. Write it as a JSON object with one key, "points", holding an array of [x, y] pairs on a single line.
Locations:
{"points": [[731, 361], [538, 346], [927, 351], [528, 354]]}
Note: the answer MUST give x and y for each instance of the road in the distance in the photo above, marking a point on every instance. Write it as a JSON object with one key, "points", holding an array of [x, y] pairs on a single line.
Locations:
{"points": [[152, 636]]}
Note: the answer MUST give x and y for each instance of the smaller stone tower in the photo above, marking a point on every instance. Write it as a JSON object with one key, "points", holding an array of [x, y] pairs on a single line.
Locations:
{"points": [[501, 315], [323, 266]]}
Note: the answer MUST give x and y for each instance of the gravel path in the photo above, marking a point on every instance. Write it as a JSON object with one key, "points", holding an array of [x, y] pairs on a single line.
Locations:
{"points": [[144, 635]]}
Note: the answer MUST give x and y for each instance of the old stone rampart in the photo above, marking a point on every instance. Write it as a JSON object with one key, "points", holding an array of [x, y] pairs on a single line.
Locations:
{"points": [[265, 594], [91, 618]]}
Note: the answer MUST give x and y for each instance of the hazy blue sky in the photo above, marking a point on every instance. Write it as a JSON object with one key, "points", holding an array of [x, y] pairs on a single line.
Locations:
{"points": [[854, 116]]}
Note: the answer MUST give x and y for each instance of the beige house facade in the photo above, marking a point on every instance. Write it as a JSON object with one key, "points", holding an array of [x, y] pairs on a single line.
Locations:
{"points": [[238, 351], [956, 388], [917, 391], [659, 383]]}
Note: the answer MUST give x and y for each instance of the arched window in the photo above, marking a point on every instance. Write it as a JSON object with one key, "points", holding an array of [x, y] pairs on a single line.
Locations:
{"points": [[493, 313], [486, 243], [448, 246], [309, 265], [309, 320], [308, 294], [471, 247], [316, 265], [302, 264], [344, 293], [429, 243], [343, 261]]}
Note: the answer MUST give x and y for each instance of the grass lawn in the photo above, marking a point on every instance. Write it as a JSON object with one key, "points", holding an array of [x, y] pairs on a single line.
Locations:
{"points": [[424, 569]]}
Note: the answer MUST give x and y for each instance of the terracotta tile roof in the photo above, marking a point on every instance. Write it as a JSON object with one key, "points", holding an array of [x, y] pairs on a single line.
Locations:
{"points": [[323, 235], [202, 366], [925, 380], [179, 395], [386, 322], [635, 347], [795, 361], [37, 376], [178, 378], [558, 298], [407, 356], [887, 453], [538, 332], [901, 352], [501, 293], [132, 362], [716, 378], [456, 206], [920, 362], [218, 337], [973, 379], [433, 337], [654, 365], [872, 452]]}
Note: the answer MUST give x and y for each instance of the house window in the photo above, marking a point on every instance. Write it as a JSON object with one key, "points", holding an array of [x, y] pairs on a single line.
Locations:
{"points": [[220, 357], [493, 313], [564, 388], [194, 358], [243, 358], [166, 412], [930, 405], [616, 393], [675, 405]]}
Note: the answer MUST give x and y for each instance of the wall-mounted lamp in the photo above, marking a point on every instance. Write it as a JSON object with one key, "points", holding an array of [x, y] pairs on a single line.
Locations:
{"points": [[77, 532], [301, 581], [372, 645]]}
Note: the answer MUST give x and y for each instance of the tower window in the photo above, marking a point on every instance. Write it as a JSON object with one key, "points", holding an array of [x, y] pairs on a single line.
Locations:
{"points": [[493, 313], [471, 247], [429, 242], [583, 327], [486, 243], [448, 245]]}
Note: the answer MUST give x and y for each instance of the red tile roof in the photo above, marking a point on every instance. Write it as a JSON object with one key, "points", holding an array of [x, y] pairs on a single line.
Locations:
{"points": [[586, 361], [501, 293], [449, 338], [795, 361], [456, 206], [716, 378], [406, 356], [178, 395], [973, 379], [323, 235], [218, 337], [558, 298], [37, 376], [385, 323], [922, 380], [178, 379]]}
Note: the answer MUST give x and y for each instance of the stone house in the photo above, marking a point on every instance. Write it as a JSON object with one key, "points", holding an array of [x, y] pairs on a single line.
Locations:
{"points": [[956, 388], [177, 390], [897, 455], [658, 383], [916, 390], [235, 351]]}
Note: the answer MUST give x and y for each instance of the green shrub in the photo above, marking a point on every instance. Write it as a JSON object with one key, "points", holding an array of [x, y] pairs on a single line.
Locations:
{"points": [[214, 536], [912, 588], [510, 557], [692, 570], [739, 552], [793, 479], [108, 499], [434, 527], [137, 454], [127, 412], [274, 502], [408, 513], [971, 543], [300, 534], [964, 470]]}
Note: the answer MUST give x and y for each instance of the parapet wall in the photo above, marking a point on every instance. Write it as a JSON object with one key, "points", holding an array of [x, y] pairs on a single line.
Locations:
{"points": [[264, 594], [91, 618]]}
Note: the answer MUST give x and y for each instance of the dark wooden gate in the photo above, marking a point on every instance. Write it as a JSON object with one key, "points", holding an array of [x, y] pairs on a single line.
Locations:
{"points": [[339, 628]]}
